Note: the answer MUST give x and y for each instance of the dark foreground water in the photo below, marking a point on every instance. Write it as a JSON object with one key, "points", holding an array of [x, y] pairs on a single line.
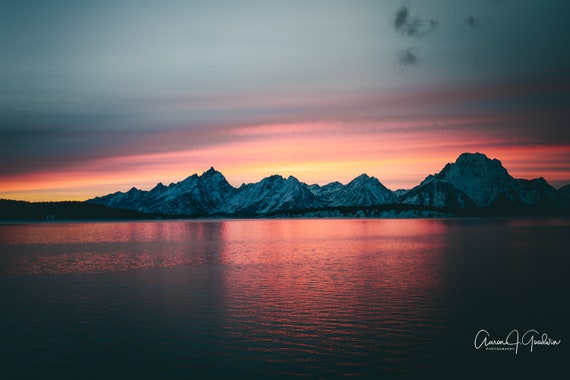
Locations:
{"points": [[283, 298]]}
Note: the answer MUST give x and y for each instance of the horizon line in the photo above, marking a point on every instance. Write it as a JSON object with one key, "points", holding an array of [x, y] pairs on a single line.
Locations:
{"points": [[212, 168]]}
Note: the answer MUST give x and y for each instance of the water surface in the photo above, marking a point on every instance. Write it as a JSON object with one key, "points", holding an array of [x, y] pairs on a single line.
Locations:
{"points": [[278, 298]]}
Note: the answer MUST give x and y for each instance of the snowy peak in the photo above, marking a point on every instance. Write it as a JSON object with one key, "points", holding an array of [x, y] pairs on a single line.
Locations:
{"points": [[366, 180], [133, 191], [470, 168], [363, 191], [479, 177], [159, 188], [472, 184], [327, 191], [211, 173], [195, 195], [271, 194], [361, 178], [478, 165], [437, 194], [487, 183]]}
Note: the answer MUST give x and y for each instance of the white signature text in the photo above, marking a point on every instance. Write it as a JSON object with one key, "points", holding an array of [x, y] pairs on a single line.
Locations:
{"points": [[513, 341]]}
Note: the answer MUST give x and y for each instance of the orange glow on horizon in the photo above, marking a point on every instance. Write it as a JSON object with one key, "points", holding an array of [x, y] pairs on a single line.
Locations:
{"points": [[399, 155]]}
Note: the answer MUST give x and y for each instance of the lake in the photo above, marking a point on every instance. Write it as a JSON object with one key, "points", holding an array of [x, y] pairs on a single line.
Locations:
{"points": [[319, 298]]}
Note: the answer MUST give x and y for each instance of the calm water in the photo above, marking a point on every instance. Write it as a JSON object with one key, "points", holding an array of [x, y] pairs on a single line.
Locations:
{"points": [[280, 298]]}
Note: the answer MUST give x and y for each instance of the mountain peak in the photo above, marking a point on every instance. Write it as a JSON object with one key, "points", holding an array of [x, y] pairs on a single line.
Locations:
{"points": [[210, 172], [292, 179], [363, 176], [472, 165], [482, 179], [474, 156], [478, 163], [363, 191], [472, 181], [274, 178], [159, 187]]}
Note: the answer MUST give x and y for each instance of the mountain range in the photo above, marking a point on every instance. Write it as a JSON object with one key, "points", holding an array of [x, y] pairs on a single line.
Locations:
{"points": [[472, 185]]}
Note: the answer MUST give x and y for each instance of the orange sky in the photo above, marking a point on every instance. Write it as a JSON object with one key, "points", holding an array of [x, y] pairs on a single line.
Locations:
{"points": [[315, 152]]}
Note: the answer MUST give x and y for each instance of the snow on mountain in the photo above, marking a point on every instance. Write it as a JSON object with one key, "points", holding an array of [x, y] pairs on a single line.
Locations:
{"points": [[472, 181], [211, 194], [480, 178], [400, 193], [130, 199], [271, 194], [437, 194], [363, 191], [485, 181], [196, 195], [535, 192], [326, 192]]}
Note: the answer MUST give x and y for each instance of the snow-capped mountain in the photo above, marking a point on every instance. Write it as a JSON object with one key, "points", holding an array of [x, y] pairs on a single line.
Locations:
{"points": [[487, 183], [472, 182], [362, 191], [211, 194], [196, 195], [326, 192], [271, 194], [438, 195]]}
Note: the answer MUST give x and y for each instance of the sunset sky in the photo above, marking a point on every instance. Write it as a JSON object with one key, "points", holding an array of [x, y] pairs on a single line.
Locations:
{"points": [[100, 96]]}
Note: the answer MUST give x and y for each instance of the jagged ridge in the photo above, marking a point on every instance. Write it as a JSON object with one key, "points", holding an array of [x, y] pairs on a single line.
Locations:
{"points": [[474, 183]]}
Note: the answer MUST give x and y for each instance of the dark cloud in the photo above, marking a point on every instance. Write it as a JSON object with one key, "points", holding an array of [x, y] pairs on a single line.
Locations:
{"points": [[413, 26], [471, 21], [408, 57], [401, 18], [29, 149]]}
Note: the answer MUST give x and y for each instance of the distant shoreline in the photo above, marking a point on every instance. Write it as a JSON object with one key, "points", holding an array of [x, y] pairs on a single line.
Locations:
{"points": [[75, 211]]}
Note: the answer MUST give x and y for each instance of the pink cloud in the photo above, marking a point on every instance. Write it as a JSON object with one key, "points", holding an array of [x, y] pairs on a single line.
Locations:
{"points": [[398, 153]]}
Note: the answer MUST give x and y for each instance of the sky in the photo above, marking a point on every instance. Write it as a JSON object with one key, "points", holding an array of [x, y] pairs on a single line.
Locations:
{"points": [[100, 96]]}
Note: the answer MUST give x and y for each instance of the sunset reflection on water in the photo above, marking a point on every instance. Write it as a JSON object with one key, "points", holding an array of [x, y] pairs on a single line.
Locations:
{"points": [[273, 298], [103, 247], [289, 288], [106, 247], [314, 290]]}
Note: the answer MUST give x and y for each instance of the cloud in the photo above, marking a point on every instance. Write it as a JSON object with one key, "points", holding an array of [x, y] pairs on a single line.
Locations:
{"points": [[471, 21], [408, 57], [413, 26]]}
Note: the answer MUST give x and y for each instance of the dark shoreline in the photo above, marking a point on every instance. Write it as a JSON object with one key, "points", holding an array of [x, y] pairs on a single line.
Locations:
{"points": [[22, 211]]}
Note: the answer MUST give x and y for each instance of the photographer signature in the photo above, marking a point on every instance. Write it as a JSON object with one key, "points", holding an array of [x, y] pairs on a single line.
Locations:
{"points": [[513, 341]]}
